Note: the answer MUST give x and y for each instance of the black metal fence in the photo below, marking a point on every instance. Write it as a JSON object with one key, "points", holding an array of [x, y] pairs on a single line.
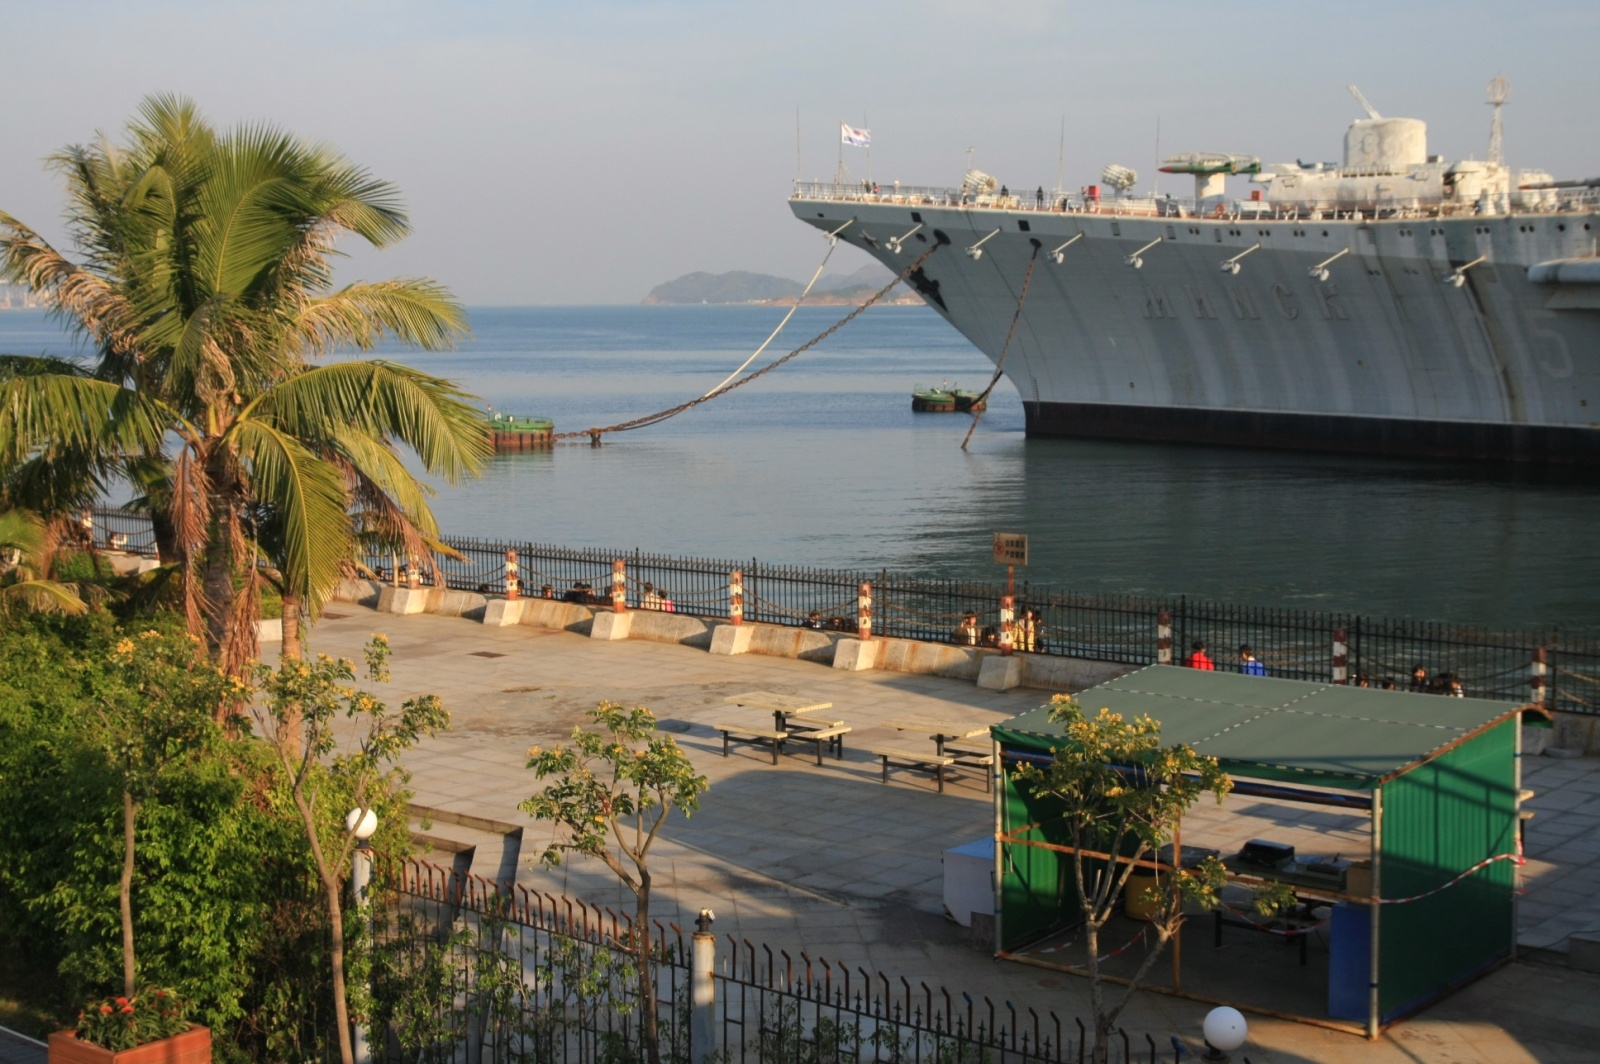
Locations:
{"points": [[465, 969], [1560, 671]]}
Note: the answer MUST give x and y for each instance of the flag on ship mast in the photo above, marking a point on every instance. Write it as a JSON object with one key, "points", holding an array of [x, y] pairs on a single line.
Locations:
{"points": [[856, 138]]}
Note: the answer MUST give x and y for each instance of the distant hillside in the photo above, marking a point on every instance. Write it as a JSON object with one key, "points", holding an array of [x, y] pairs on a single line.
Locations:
{"points": [[741, 286]]}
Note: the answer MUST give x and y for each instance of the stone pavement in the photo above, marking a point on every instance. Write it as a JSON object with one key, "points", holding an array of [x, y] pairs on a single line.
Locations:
{"points": [[20, 1049], [832, 861]]}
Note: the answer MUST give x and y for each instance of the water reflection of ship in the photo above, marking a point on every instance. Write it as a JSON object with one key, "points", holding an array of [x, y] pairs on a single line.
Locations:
{"points": [[946, 400]]}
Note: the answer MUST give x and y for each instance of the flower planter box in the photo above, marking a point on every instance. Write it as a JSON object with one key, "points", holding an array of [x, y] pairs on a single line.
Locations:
{"points": [[191, 1047]]}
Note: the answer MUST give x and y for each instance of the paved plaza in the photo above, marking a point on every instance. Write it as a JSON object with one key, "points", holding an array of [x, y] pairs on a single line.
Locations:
{"points": [[834, 862]]}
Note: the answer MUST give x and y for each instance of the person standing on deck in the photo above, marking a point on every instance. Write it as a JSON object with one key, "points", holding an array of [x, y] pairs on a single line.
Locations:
{"points": [[1198, 658], [1248, 664]]}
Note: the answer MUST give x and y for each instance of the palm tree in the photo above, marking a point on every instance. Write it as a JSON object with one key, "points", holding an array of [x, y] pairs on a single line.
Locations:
{"points": [[24, 568], [204, 285]]}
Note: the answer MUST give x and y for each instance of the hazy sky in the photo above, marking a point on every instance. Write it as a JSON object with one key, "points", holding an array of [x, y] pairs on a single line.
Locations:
{"points": [[584, 152]]}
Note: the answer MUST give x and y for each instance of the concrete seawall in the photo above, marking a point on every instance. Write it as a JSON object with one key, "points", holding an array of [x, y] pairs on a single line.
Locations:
{"points": [[835, 649]]}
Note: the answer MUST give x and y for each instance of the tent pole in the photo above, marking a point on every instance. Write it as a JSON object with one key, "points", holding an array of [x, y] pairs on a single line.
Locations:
{"points": [[1000, 786], [1373, 908], [1516, 826]]}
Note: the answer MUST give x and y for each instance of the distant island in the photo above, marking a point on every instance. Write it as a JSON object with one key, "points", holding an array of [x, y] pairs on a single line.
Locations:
{"points": [[742, 286]]}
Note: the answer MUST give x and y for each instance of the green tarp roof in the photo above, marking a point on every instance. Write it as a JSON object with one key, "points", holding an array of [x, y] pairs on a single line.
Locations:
{"points": [[1259, 727]]}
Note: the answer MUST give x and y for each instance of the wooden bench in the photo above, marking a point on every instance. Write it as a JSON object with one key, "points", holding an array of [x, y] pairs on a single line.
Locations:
{"points": [[974, 757], [934, 763], [825, 738], [743, 733], [798, 724]]}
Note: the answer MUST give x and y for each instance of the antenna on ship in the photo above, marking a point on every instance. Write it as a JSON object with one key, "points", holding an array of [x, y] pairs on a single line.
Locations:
{"points": [[1061, 159], [1372, 112], [1499, 89]]}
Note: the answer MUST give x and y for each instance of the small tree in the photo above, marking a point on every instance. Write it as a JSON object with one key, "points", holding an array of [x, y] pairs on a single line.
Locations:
{"points": [[1121, 796], [609, 796], [304, 703], [155, 707]]}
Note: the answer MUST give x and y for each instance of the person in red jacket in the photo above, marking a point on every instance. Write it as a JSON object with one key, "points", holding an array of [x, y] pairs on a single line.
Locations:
{"points": [[1198, 659]]}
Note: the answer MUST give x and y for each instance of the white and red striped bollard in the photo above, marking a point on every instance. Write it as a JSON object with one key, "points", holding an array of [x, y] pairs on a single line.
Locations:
{"points": [[1008, 620], [1537, 671], [619, 586], [513, 579], [864, 610], [1164, 638], [736, 597], [413, 572], [1341, 656]]}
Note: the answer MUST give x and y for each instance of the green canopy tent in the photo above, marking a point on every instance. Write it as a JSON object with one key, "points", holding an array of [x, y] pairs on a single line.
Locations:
{"points": [[1439, 778]]}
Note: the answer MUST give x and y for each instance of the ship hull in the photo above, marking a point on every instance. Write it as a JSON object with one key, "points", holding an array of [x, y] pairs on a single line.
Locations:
{"points": [[1393, 437], [1383, 357]]}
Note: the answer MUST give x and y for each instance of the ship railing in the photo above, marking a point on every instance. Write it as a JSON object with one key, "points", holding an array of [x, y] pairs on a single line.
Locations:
{"points": [[1150, 206]]}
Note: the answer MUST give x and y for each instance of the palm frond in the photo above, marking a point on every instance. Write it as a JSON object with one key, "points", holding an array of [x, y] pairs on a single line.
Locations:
{"points": [[428, 414], [41, 596], [418, 312], [91, 302], [308, 497], [47, 412]]}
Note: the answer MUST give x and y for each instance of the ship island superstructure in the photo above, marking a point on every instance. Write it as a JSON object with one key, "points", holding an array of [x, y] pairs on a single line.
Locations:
{"points": [[1395, 303]]}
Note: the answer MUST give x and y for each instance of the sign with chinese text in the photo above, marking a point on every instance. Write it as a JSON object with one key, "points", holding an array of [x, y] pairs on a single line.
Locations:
{"points": [[1010, 548]]}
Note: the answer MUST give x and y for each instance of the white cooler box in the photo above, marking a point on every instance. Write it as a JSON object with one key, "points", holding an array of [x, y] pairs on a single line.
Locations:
{"points": [[969, 880]]}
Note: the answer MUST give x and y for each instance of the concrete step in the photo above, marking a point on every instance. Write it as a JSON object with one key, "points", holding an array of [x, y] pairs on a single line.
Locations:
{"points": [[466, 843]]}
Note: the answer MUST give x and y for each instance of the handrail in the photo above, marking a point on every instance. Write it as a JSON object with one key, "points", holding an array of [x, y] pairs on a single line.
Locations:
{"points": [[1556, 201]]}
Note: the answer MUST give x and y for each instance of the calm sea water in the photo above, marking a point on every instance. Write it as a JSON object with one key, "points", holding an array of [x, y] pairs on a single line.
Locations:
{"points": [[823, 463]]}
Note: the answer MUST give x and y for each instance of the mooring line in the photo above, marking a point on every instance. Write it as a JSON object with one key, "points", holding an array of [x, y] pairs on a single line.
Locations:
{"points": [[594, 434]]}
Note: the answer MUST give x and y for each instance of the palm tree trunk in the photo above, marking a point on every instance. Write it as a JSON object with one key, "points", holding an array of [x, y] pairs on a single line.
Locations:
{"points": [[168, 551], [293, 647], [130, 810], [216, 584]]}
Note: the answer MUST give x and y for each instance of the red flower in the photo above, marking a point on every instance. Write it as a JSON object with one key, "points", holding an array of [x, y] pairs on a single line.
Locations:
{"points": [[105, 1010], [127, 1010], [122, 1001]]}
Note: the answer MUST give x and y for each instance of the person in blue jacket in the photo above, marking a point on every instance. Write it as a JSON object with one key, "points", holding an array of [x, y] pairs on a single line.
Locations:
{"points": [[1248, 663]]}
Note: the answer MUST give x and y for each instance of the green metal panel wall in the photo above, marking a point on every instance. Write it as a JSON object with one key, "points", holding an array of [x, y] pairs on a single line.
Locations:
{"points": [[1036, 890], [1438, 820]]}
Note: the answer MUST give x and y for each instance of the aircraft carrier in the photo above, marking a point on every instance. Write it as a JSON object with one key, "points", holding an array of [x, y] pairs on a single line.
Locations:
{"points": [[1392, 303]]}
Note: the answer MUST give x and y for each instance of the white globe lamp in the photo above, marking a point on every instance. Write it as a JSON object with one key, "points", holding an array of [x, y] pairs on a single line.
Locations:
{"points": [[360, 824], [1225, 1031]]}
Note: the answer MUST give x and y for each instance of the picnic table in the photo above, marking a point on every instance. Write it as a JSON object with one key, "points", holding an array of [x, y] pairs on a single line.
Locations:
{"points": [[785, 708], [793, 717], [940, 731]]}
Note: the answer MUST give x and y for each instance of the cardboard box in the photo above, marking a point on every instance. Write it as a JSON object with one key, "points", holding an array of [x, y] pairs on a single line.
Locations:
{"points": [[1358, 879]]}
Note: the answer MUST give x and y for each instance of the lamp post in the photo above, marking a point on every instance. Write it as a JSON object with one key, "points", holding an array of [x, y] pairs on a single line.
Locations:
{"points": [[1225, 1031], [361, 823]]}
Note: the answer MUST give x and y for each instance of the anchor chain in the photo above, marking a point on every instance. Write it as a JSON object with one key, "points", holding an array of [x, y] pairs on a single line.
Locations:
{"points": [[1000, 362], [594, 434]]}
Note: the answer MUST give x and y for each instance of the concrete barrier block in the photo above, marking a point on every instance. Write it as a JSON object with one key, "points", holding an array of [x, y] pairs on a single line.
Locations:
{"points": [[1583, 951], [403, 600], [731, 639], [269, 630], [855, 654], [365, 592], [1000, 673], [611, 626], [497, 613]]}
